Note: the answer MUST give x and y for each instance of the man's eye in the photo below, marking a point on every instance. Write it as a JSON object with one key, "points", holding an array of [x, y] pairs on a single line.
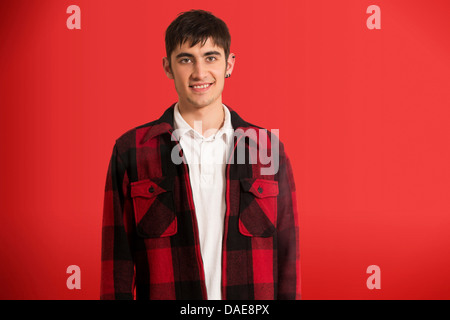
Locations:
{"points": [[185, 60], [211, 59]]}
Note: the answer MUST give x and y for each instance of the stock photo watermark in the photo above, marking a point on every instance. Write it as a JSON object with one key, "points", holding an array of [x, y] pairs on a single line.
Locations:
{"points": [[73, 22], [259, 148], [74, 280], [374, 281]]}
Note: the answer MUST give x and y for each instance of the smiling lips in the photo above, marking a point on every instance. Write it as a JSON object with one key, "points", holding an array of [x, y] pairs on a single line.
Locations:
{"points": [[200, 87]]}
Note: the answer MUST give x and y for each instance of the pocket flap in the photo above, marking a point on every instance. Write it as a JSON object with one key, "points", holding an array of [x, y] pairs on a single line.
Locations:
{"points": [[154, 208], [149, 189], [258, 207], [260, 188]]}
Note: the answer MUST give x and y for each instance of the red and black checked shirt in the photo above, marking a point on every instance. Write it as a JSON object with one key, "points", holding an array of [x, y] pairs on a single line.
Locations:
{"points": [[150, 243]]}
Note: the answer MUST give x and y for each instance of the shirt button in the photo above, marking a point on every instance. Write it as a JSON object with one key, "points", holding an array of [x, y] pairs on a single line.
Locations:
{"points": [[151, 189], [260, 190]]}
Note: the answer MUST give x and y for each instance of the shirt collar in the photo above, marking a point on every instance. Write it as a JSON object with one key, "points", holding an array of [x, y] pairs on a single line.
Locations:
{"points": [[183, 129], [165, 124]]}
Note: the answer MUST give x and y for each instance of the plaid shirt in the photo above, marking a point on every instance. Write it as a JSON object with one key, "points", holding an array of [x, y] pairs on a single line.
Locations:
{"points": [[150, 243]]}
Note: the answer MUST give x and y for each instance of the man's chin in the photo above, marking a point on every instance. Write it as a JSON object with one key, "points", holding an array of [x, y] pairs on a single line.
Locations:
{"points": [[201, 104]]}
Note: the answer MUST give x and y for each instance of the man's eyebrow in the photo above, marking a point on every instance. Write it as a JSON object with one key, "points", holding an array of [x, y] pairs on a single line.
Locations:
{"points": [[184, 54], [189, 55], [210, 53]]}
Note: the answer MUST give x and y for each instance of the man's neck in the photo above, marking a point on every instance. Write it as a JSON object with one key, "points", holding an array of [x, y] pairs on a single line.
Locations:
{"points": [[211, 117]]}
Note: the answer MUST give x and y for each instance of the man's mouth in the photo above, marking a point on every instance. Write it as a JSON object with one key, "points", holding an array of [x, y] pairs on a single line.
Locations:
{"points": [[201, 86]]}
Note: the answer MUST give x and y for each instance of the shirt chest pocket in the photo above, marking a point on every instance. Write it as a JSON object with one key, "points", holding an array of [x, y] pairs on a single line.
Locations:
{"points": [[154, 208], [258, 207]]}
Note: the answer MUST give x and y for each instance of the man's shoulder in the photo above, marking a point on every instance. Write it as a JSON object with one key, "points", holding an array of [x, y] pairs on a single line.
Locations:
{"points": [[130, 134], [251, 129], [261, 135], [143, 132], [240, 123]]}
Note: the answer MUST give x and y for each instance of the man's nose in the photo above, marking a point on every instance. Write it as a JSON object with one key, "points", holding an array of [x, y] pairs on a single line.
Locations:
{"points": [[199, 71]]}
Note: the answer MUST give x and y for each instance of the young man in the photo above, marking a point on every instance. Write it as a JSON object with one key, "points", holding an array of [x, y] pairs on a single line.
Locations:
{"points": [[195, 208]]}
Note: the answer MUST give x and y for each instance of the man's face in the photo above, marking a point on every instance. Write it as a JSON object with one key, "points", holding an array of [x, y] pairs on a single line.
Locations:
{"points": [[198, 73]]}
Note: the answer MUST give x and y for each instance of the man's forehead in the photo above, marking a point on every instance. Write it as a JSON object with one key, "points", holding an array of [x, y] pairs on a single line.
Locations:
{"points": [[199, 47]]}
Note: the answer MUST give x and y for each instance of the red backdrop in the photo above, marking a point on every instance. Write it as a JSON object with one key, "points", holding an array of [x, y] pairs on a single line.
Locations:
{"points": [[364, 115]]}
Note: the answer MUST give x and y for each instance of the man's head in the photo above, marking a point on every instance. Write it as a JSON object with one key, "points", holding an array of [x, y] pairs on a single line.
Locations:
{"points": [[197, 26], [198, 57]]}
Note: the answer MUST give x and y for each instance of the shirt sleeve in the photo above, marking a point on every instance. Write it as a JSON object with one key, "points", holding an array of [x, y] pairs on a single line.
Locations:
{"points": [[289, 280], [117, 267]]}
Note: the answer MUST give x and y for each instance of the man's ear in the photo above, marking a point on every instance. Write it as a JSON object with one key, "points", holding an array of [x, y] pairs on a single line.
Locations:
{"points": [[230, 64], [167, 68]]}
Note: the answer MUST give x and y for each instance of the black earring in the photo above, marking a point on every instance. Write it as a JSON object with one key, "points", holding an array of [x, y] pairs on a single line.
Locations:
{"points": [[228, 75]]}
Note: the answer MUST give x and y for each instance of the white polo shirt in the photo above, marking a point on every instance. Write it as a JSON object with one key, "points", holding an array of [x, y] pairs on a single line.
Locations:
{"points": [[206, 159]]}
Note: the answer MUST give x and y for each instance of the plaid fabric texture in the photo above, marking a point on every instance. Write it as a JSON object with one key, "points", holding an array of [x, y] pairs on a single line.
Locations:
{"points": [[150, 243]]}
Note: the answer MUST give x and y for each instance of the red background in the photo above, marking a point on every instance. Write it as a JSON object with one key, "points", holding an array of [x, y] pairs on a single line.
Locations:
{"points": [[364, 115]]}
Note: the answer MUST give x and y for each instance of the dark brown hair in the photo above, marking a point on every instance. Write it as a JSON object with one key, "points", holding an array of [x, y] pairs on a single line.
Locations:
{"points": [[196, 26]]}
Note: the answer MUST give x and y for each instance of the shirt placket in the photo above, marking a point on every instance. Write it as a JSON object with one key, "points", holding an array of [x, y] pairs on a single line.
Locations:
{"points": [[194, 219], [206, 163]]}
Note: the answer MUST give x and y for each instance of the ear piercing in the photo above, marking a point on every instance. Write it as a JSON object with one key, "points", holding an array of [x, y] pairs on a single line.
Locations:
{"points": [[229, 74]]}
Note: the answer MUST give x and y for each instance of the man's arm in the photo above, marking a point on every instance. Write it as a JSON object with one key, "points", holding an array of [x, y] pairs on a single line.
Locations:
{"points": [[117, 267], [287, 233]]}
